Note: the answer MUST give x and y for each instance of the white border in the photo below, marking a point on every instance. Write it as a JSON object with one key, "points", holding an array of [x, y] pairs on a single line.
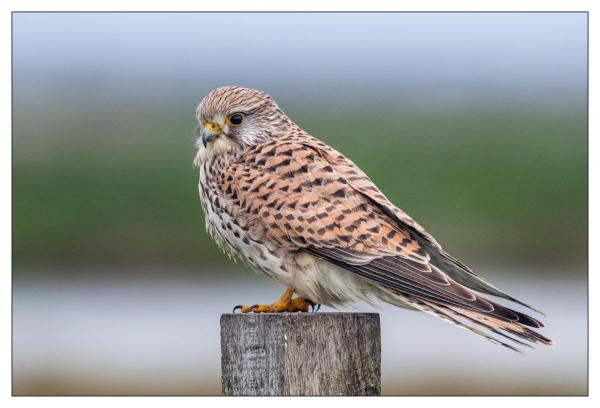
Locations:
{"points": [[7, 6]]}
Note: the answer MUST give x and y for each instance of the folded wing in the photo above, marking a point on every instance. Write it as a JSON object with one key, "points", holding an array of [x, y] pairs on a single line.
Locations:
{"points": [[310, 198]]}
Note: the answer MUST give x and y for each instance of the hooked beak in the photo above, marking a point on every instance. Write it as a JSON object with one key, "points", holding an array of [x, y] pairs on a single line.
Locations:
{"points": [[208, 136], [210, 132]]}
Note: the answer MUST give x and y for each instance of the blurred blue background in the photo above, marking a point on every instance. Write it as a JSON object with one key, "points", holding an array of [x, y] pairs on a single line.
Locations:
{"points": [[475, 124]]}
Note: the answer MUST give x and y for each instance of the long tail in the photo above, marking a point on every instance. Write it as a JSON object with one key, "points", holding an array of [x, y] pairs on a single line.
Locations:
{"points": [[509, 334]]}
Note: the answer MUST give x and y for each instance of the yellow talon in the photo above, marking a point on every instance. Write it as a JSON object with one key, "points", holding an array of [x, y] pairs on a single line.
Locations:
{"points": [[284, 304]]}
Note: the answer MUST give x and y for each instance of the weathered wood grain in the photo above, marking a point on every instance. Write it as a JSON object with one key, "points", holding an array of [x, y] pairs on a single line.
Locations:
{"points": [[301, 354]]}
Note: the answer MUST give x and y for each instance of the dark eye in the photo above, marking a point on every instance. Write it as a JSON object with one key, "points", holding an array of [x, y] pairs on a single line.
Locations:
{"points": [[236, 119]]}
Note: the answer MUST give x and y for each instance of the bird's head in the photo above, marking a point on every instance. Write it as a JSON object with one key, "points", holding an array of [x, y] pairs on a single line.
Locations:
{"points": [[232, 119]]}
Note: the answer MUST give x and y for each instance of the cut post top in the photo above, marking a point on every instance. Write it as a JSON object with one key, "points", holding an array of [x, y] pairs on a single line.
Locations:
{"points": [[301, 354]]}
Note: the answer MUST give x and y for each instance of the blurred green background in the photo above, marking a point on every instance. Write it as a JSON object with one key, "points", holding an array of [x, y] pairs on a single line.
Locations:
{"points": [[117, 183], [475, 124]]}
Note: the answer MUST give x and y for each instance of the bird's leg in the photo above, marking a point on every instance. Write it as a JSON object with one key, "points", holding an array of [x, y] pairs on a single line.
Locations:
{"points": [[284, 304]]}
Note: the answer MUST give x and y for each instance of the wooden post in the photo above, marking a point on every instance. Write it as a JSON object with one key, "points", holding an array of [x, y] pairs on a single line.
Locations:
{"points": [[301, 354]]}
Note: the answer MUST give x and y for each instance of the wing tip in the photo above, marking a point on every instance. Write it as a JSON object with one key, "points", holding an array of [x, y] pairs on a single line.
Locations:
{"points": [[517, 301]]}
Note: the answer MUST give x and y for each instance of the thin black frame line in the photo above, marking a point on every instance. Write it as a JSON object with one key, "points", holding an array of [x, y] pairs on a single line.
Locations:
{"points": [[299, 12], [309, 12]]}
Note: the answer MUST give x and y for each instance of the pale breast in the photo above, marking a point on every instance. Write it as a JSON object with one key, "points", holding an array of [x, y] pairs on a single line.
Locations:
{"points": [[228, 226]]}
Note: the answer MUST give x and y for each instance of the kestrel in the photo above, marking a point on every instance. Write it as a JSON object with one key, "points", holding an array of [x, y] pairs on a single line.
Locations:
{"points": [[300, 212]]}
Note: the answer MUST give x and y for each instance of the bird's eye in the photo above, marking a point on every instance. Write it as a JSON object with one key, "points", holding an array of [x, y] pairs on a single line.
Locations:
{"points": [[236, 119]]}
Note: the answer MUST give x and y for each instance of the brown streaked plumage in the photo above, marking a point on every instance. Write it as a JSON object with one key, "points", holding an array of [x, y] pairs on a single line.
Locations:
{"points": [[303, 214]]}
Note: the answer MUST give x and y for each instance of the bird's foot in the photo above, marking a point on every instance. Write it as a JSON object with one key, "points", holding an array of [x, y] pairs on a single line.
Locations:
{"points": [[285, 304]]}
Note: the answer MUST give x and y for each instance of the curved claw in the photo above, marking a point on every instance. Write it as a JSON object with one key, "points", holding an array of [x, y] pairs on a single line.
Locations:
{"points": [[236, 308], [314, 307]]}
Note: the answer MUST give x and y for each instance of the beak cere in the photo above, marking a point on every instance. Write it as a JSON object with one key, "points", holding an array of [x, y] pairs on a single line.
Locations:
{"points": [[210, 132]]}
